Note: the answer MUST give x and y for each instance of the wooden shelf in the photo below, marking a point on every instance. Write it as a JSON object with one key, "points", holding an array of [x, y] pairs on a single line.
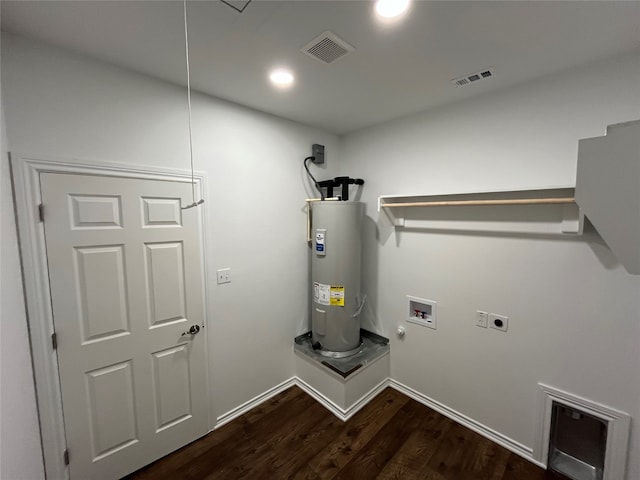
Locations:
{"points": [[473, 203], [556, 211], [607, 191]]}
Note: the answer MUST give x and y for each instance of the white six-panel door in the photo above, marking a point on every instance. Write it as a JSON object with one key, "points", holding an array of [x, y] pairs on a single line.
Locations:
{"points": [[126, 282]]}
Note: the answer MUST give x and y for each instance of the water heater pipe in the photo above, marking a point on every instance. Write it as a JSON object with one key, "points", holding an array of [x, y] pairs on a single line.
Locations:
{"points": [[309, 202]]}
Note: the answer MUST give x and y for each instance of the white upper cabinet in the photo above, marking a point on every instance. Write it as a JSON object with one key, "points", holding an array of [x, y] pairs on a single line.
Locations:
{"points": [[608, 189]]}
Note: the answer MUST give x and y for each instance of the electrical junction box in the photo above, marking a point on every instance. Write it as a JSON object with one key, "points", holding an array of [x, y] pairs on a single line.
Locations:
{"points": [[422, 312], [317, 151]]}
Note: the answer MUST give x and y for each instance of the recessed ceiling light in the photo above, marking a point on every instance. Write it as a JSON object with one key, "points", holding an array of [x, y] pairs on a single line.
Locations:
{"points": [[281, 78], [391, 8]]}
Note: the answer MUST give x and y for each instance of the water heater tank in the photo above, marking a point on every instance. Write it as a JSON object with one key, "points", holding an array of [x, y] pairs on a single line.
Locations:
{"points": [[335, 277]]}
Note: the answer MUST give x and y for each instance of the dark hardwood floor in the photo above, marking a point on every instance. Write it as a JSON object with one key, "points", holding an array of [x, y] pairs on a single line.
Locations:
{"points": [[293, 436]]}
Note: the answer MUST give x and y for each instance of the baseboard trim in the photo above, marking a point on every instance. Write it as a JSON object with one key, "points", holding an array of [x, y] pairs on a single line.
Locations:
{"points": [[345, 414], [496, 437], [366, 398], [342, 413], [254, 402], [320, 398]]}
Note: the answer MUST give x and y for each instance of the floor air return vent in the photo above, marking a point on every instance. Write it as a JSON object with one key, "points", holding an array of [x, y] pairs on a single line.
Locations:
{"points": [[577, 444], [581, 439]]}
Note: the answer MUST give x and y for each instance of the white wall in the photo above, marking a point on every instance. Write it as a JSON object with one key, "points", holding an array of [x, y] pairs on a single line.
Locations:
{"points": [[60, 104], [574, 311], [20, 452]]}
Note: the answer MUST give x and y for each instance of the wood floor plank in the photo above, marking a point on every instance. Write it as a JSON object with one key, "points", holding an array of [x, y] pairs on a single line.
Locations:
{"points": [[305, 473], [236, 438], [322, 433], [488, 460], [355, 433], [518, 468], [179, 460], [412, 458], [291, 436], [295, 435], [251, 443], [457, 456], [373, 457]]}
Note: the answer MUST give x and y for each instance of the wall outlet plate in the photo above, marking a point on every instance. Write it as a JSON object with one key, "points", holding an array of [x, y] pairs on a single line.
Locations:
{"points": [[422, 312], [223, 275], [482, 319], [499, 322]]}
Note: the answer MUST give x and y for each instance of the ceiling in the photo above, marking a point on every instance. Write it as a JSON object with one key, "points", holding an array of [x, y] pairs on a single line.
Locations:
{"points": [[395, 70]]}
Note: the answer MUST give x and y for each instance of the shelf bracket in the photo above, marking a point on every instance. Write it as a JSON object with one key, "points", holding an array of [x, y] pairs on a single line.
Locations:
{"points": [[396, 217], [572, 220]]}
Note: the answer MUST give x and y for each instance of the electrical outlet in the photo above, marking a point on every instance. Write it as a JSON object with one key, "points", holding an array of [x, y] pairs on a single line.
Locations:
{"points": [[224, 275], [482, 319], [499, 322]]}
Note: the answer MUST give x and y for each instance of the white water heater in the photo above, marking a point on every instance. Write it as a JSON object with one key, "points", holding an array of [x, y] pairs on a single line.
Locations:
{"points": [[337, 299]]}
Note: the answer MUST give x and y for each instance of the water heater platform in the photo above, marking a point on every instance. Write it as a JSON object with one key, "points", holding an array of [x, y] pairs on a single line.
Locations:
{"points": [[343, 385], [373, 347]]}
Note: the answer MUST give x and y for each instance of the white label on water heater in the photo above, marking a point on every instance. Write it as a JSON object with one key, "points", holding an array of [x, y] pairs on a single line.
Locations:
{"points": [[321, 293], [320, 247]]}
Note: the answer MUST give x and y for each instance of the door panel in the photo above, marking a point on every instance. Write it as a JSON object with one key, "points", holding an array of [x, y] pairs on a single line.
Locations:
{"points": [[126, 280], [89, 211], [111, 403], [172, 392], [165, 282], [162, 212], [102, 292]]}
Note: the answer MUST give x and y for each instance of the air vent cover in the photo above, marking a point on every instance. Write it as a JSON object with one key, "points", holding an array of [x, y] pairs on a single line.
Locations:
{"points": [[473, 77], [327, 48]]}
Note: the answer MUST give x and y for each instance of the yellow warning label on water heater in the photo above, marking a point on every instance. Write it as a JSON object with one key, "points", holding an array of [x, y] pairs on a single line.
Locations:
{"points": [[337, 295]]}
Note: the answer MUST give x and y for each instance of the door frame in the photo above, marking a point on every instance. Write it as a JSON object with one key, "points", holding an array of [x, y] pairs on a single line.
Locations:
{"points": [[25, 173]]}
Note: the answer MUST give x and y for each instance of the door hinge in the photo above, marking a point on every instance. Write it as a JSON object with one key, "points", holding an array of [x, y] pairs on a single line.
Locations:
{"points": [[41, 212], [65, 457], [54, 340]]}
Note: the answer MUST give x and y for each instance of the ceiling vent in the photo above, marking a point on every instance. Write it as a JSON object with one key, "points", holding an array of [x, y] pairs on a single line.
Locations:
{"points": [[473, 77], [327, 48]]}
